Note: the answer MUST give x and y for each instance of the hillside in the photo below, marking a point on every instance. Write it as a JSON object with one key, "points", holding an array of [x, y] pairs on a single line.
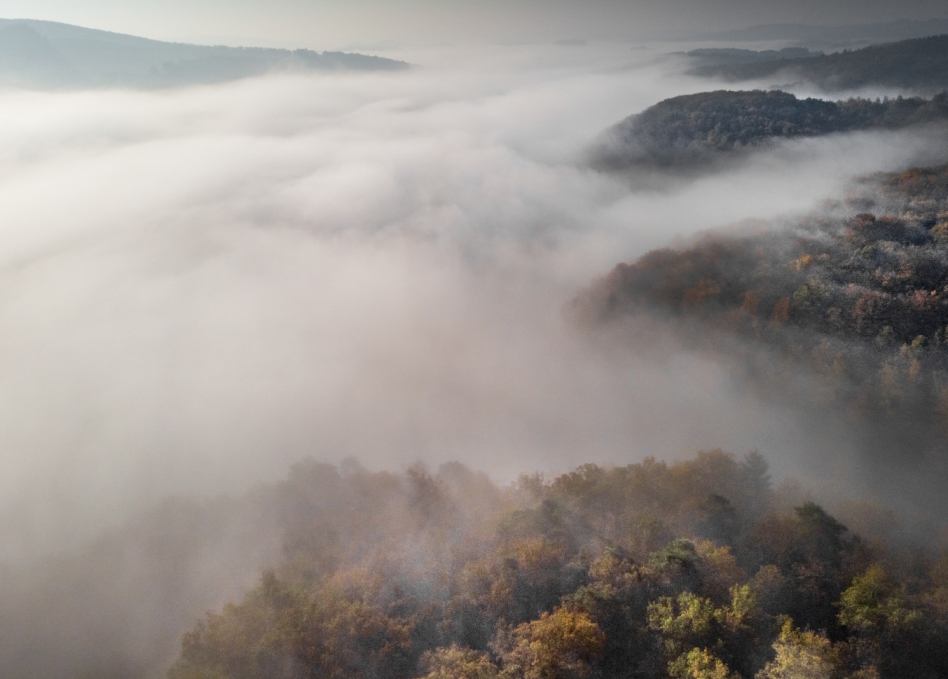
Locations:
{"points": [[843, 315], [45, 54], [920, 64], [698, 129], [694, 569]]}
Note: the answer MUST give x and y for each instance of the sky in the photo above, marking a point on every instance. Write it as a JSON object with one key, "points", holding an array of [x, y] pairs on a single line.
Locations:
{"points": [[332, 24]]}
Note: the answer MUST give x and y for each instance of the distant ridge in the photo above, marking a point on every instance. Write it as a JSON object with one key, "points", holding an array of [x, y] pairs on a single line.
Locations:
{"points": [[46, 54], [919, 64], [842, 35]]}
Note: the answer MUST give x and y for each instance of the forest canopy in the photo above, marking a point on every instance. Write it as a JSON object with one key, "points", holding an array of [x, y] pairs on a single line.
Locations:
{"points": [[694, 569]]}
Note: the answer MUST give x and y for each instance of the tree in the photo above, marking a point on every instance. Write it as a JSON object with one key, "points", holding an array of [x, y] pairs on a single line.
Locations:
{"points": [[802, 655], [698, 664], [885, 625], [559, 645], [455, 662]]}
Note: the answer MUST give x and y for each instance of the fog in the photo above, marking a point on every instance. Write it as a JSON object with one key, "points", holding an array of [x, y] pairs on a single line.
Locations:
{"points": [[199, 287], [377, 24]]}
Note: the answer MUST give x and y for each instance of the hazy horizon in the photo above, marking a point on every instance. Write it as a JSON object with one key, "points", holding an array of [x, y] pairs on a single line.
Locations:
{"points": [[332, 24]]}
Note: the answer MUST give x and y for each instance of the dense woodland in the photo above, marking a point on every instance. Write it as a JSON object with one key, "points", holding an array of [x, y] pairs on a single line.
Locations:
{"points": [[856, 297], [698, 569], [920, 64], [697, 129]]}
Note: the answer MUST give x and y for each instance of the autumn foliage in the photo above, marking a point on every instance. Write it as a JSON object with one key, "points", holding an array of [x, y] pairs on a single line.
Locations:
{"points": [[693, 570], [854, 298]]}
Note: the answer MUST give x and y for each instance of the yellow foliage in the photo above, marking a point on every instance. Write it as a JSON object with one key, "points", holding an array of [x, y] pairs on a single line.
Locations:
{"points": [[455, 662], [559, 644], [802, 262], [698, 664], [801, 655]]}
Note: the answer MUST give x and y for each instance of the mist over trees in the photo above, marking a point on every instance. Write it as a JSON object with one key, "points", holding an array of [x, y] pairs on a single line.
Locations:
{"points": [[704, 568], [855, 296], [696, 130], [693, 569]]}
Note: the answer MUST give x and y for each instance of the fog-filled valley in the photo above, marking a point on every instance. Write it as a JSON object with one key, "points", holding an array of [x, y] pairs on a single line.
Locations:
{"points": [[320, 324]]}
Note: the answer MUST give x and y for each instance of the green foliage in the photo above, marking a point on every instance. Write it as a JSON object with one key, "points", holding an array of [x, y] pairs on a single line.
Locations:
{"points": [[684, 622], [874, 606]]}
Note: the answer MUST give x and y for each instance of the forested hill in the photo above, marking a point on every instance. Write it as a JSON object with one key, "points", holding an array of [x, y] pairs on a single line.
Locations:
{"points": [[698, 569], [920, 64], [696, 129], [46, 54], [855, 297]]}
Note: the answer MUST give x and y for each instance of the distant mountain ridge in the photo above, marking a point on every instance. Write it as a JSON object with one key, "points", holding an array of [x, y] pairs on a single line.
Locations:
{"points": [[919, 64], [903, 29], [47, 54]]}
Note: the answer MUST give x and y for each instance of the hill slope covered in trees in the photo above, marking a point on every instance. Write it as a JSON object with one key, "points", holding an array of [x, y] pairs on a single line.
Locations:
{"points": [[694, 130], [856, 297], [695, 569]]}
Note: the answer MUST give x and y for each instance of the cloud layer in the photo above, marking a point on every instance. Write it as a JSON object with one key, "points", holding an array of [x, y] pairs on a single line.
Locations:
{"points": [[201, 286]]}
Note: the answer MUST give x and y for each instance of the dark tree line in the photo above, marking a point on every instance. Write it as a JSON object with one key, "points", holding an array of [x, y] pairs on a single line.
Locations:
{"points": [[695, 129]]}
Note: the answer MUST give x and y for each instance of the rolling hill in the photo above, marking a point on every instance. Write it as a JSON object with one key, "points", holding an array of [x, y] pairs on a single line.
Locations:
{"points": [[695, 130], [44, 54]]}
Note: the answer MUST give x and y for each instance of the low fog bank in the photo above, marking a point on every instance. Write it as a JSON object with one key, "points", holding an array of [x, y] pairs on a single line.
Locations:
{"points": [[200, 287], [117, 607]]}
